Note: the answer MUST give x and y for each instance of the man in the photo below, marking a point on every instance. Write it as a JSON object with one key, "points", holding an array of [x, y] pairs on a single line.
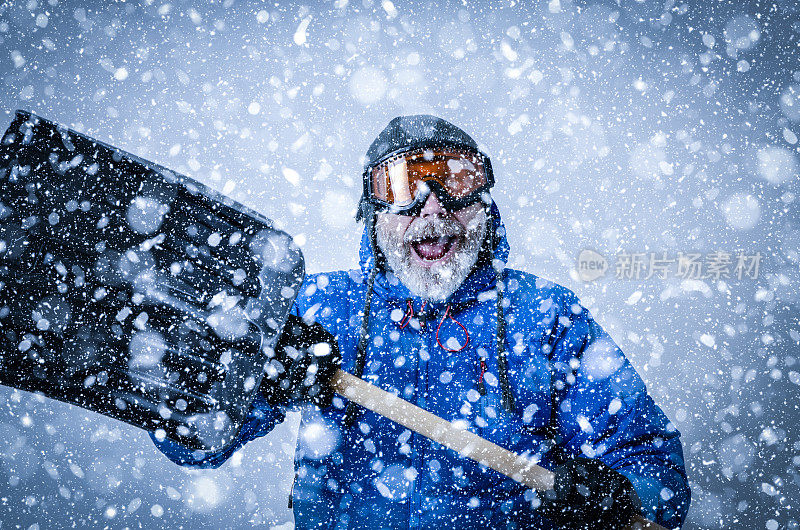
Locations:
{"points": [[435, 317]]}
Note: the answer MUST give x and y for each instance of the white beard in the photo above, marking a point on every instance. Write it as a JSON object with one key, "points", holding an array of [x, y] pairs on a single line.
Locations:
{"points": [[442, 279]]}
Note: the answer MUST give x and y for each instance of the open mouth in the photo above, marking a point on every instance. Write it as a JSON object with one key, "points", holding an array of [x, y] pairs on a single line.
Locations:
{"points": [[432, 249]]}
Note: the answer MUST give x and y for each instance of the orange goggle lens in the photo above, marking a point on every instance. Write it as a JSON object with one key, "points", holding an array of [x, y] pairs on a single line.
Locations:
{"points": [[397, 180]]}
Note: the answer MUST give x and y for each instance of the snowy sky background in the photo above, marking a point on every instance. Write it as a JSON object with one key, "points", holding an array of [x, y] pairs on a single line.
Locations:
{"points": [[616, 126]]}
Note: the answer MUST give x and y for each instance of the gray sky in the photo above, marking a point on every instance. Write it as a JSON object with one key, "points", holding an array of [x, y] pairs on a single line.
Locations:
{"points": [[651, 128]]}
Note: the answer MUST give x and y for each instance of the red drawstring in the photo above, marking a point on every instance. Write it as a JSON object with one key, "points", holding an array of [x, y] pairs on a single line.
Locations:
{"points": [[439, 327], [406, 320], [408, 316], [481, 386]]}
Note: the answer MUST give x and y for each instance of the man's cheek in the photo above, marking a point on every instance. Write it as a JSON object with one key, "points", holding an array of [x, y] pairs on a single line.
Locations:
{"points": [[404, 250]]}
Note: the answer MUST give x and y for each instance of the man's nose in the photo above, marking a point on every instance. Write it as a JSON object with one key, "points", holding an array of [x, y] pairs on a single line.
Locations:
{"points": [[432, 207]]}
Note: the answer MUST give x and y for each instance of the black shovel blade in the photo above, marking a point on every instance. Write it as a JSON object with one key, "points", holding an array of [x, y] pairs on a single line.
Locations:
{"points": [[133, 291]]}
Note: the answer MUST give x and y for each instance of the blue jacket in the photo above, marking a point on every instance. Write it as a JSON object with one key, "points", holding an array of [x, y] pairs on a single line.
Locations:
{"points": [[570, 381]]}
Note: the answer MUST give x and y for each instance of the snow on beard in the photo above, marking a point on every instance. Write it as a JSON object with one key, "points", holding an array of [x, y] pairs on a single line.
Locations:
{"points": [[439, 280]]}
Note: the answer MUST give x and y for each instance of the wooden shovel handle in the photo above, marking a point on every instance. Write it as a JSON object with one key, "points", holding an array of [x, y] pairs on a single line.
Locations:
{"points": [[453, 436]]}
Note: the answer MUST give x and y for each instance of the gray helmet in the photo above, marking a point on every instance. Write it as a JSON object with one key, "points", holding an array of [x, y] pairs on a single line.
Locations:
{"points": [[409, 133]]}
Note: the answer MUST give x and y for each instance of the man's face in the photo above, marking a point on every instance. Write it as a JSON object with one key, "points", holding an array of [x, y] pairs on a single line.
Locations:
{"points": [[432, 253]]}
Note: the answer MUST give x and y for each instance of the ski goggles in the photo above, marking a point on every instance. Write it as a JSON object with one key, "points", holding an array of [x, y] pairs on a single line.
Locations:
{"points": [[402, 182]]}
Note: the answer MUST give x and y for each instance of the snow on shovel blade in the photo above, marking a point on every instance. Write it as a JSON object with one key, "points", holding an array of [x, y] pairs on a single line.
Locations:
{"points": [[133, 291]]}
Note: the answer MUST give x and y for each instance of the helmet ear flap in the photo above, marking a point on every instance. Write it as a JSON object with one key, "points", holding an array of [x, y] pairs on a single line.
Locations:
{"points": [[365, 206]]}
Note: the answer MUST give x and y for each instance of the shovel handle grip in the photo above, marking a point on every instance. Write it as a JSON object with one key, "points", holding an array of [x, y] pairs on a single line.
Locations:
{"points": [[520, 468]]}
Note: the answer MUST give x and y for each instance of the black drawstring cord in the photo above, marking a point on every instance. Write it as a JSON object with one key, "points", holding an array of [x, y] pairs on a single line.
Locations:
{"points": [[361, 352], [502, 362]]}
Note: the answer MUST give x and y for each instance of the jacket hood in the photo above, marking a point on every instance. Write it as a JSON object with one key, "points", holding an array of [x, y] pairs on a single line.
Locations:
{"points": [[481, 278]]}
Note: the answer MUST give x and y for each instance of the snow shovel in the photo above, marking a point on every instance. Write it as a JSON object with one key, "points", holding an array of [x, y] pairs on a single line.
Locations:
{"points": [[133, 291], [465, 443]]}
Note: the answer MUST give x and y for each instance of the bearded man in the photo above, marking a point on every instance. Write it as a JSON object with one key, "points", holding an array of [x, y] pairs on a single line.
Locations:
{"points": [[434, 316]]}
